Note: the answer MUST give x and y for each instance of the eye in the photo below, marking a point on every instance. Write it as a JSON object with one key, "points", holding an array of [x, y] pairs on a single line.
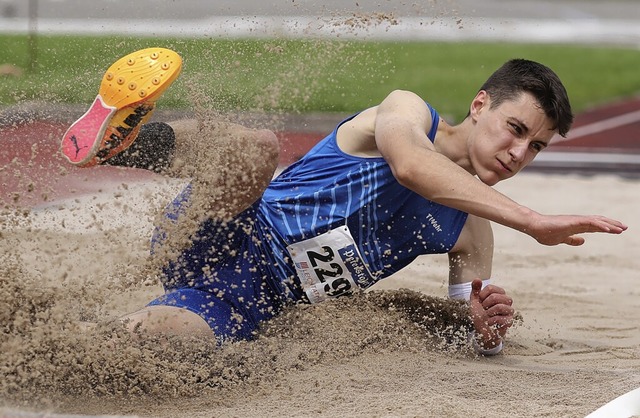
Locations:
{"points": [[537, 146], [517, 129]]}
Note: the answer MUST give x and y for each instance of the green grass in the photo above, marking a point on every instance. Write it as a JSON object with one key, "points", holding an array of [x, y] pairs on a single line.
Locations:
{"points": [[311, 75]]}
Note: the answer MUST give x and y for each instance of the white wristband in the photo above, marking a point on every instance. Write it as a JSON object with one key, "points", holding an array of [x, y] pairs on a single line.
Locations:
{"points": [[462, 291], [481, 350]]}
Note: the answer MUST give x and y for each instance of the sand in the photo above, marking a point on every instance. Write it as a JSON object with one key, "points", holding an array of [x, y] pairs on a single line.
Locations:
{"points": [[70, 261], [576, 347]]}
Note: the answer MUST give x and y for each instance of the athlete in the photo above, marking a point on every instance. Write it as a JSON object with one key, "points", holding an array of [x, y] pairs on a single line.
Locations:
{"points": [[390, 183]]}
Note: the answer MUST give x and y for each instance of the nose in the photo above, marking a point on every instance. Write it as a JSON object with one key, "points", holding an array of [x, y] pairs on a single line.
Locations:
{"points": [[518, 150]]}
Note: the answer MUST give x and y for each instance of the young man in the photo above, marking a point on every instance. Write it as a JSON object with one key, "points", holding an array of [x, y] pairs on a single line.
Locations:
{"points": [[390, 183]]}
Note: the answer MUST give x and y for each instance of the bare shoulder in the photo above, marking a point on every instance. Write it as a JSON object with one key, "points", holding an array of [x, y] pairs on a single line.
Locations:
{"points": [[399, 109], [357, 136], [404, 105]]}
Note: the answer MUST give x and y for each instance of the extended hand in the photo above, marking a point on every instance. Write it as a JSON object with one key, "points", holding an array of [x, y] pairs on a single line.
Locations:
{"points": [[491, 313], [564, 229]]}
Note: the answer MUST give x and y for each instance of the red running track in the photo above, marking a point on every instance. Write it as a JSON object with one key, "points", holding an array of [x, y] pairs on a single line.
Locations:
{"points": [[615, 127]]}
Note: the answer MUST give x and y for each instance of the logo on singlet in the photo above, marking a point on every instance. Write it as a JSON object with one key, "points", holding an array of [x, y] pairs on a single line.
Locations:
{"points": [[434, 223]]}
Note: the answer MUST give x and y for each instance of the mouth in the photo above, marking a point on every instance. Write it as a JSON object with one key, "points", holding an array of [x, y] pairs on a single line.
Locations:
{"points": [[505, 167]]}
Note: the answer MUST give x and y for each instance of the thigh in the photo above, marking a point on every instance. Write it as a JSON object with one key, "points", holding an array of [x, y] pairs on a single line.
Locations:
{"points": [[167, 321], [201, 311]]}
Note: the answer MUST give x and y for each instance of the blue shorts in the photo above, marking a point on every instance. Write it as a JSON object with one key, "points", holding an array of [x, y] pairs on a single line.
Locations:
{"points": [[221, 276]]}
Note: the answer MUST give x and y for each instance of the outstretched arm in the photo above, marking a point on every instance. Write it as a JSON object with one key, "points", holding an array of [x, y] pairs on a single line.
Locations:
{"points": [[402, 121]]}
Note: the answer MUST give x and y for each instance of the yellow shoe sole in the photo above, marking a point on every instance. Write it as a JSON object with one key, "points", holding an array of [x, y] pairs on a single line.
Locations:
{"points": [[141, 76]]}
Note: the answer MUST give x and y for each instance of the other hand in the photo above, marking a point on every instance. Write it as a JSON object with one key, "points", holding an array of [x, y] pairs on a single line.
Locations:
{"points": [[491, 313]]}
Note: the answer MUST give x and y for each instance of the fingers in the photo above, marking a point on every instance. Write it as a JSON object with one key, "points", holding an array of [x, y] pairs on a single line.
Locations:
{"points": [[493, 292], [622, 227], [500, 315], [596, 224], [476, 287], [490, 297], [574, 240], [565, 229], [497, 320], [491, 311], [603, 224], [494, 308], [498, 311]]}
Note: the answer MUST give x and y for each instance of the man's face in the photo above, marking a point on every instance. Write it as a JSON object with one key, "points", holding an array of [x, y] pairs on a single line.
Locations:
{"points": [[506, 138]]}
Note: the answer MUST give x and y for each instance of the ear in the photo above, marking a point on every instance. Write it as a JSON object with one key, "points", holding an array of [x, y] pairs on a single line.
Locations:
{"points": [[478, 104]]}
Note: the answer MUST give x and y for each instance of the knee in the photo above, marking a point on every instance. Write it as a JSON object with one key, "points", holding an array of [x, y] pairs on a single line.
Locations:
{"points": [[268, 144]]}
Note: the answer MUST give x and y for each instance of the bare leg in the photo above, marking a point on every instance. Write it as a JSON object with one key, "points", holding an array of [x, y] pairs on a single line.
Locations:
{"points": [[229, 167], [161, 321], [167, 321]]}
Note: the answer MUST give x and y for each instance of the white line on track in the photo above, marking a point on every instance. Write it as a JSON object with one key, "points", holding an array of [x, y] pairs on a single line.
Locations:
{"points": [[600, 126]]}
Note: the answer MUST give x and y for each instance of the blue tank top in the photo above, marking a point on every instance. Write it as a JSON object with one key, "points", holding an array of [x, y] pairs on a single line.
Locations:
{"points": [[328, 189]]}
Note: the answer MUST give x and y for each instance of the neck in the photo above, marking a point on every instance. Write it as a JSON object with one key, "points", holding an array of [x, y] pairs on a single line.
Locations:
{"points": [[451, 141]]}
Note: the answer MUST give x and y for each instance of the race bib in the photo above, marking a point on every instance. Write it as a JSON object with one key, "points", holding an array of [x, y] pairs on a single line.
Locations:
{"points": [[330, 265]]}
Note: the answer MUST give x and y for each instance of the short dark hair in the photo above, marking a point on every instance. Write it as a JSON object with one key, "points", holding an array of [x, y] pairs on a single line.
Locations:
{"points": [[519, 75]]}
